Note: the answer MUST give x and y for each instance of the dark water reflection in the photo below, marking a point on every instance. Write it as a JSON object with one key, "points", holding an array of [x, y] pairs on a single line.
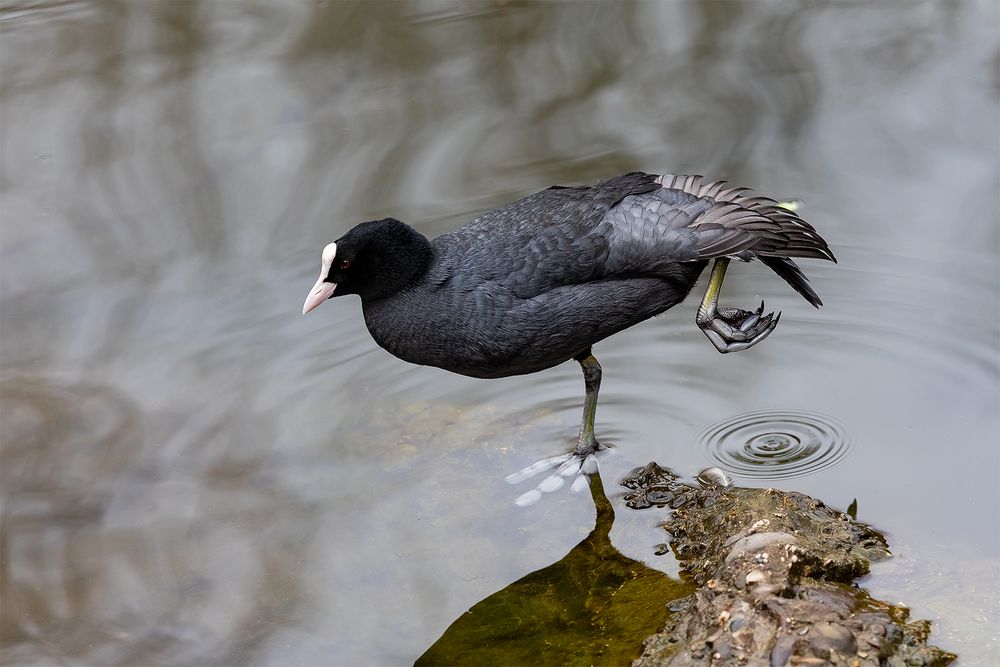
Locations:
{"points": [[195, 474], [593, 606]]}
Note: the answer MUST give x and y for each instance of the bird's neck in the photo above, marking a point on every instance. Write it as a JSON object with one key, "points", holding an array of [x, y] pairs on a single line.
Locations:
{"points": [[400, 262]]}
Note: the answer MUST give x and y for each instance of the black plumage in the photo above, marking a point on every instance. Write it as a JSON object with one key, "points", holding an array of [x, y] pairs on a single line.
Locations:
{"points": [[537, 282]]}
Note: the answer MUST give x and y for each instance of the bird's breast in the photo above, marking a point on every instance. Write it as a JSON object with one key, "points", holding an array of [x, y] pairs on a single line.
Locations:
{"points": [[438, 328]]}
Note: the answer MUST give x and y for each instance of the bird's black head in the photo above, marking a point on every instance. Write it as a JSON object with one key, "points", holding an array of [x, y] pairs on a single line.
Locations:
{"points": [[373, 260]]}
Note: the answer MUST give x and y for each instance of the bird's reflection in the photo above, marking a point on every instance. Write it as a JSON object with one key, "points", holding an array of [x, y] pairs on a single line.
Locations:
{"points": [[594, 606]]}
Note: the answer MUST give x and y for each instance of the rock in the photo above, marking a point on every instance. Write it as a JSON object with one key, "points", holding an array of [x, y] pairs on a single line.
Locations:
{"points": [[775, 571], [827, 639]]}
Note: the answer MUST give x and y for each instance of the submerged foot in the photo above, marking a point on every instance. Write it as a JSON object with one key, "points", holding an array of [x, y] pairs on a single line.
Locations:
{"points": [[580, 462], [575, 465]]}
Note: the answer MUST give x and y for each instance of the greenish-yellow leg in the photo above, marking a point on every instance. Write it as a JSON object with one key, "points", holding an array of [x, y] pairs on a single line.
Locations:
{"points": [[731, 329], [587, 443]]}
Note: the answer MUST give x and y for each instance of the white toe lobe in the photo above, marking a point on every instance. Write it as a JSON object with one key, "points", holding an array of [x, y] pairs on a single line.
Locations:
{"points": [[529, 498], [551, 483]]}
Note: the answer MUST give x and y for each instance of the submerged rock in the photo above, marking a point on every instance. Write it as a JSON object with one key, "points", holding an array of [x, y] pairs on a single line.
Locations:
{"points": [[774, 570]]}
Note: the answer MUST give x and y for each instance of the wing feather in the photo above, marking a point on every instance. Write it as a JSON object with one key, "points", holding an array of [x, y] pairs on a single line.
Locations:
{"points": [[754, 223]]}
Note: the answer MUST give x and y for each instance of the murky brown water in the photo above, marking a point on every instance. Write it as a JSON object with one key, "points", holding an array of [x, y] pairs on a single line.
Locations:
{"points": [[195, 474]]}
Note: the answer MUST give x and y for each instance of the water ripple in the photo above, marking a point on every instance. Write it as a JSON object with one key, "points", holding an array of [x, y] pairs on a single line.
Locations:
{"points": [[776, 444]]}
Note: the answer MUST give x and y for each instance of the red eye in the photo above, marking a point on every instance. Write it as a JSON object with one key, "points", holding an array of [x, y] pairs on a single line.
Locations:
{"points": [[346, 264]]}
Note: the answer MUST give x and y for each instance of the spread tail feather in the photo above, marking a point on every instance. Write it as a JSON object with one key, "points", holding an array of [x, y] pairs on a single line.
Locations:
{"points": [[792, 274]]}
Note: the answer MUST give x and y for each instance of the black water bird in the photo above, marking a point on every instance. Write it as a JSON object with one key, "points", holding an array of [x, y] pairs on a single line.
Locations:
{"points": [[537, 282]]}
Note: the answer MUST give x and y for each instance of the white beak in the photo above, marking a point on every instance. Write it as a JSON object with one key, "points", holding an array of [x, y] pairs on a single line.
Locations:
{"points": [[322, 291], [319, 293]]}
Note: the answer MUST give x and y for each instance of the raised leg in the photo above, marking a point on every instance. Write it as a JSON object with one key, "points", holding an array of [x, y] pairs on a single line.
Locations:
{"points": [[731, 329]]}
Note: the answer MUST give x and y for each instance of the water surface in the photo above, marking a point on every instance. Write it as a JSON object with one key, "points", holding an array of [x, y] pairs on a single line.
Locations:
{"points": [[195, 474]]}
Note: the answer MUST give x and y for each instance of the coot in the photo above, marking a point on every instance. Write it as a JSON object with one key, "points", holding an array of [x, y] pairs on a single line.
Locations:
{"points": [[539, 281]]}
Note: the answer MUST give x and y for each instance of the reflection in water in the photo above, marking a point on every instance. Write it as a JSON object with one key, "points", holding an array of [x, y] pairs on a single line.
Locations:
{"points": [[774, 444], [101, 554], [594, 606]]}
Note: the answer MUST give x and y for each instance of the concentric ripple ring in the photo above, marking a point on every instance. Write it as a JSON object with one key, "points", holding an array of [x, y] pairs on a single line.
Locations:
{"points": [[776, 444]]}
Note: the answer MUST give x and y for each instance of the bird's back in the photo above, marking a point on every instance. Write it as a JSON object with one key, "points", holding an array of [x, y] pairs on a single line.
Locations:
{"points": [[548, 239], [629, 226]]}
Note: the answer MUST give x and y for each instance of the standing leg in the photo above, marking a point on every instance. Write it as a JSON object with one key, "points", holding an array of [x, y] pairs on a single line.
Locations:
{"points": [[580, 462], [587, 443]]}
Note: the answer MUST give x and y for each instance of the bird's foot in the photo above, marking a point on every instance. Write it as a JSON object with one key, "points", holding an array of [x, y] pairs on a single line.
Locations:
{"points": [[735, 329], [575, 465]]}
